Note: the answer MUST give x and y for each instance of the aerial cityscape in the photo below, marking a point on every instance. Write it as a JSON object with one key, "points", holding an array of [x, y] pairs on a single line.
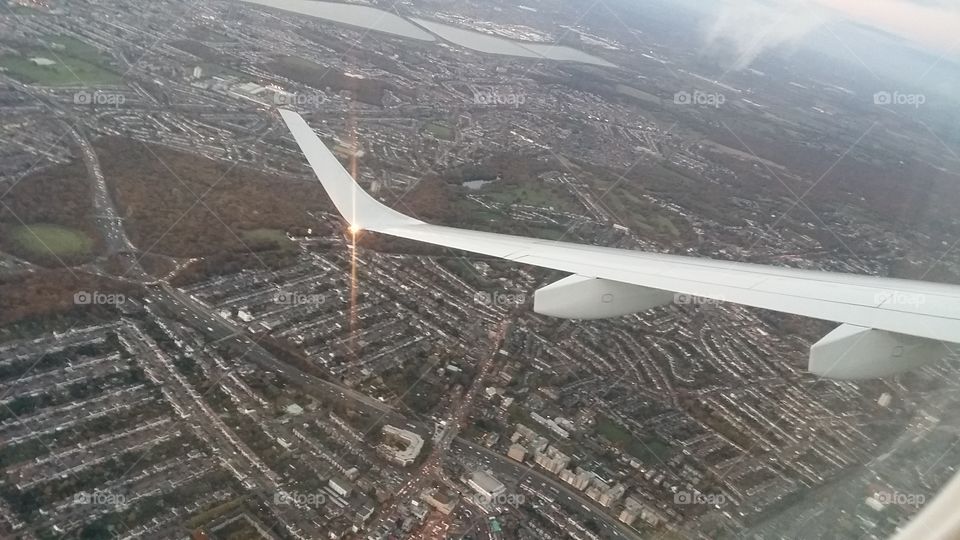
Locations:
{"points": [[193, 344]]}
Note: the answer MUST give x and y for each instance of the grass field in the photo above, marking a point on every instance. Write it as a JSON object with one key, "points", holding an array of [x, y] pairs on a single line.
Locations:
{"points": [[41, 239], [19, 9], [274, 238], [651, 450], [440, 131], [77, 63], [534, 193]]}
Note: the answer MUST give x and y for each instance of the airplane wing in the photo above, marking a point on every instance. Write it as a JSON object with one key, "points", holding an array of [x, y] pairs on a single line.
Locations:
{"points": [[887, 325]]}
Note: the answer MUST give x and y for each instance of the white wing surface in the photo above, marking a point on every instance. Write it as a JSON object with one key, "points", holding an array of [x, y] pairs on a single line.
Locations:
{"points": [[888, 325]]}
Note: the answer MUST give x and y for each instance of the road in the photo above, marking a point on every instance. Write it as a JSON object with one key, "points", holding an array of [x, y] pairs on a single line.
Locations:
{"points": [[504, 467], [432, 468], [219, 329], [108, 221], [216, 328]]}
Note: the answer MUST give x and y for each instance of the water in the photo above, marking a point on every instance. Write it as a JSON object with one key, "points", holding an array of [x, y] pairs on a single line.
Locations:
{"points": [[362, 16], [486, 43], [384, 21], [476, 184], [477, 41]]}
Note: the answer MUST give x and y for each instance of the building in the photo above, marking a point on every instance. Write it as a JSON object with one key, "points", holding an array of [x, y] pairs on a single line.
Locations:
{"points": [[651, 516], [340, 487], [485, 485], [400, 446], [580, 479], [612, 495], [419, 511], [631, 510], [875, 504], [552, 460], [294, 410], [550, 424], [441, 501], [517, 452]]}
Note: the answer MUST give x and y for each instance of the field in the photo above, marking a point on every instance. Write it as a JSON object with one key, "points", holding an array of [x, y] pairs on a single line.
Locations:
{"points": [[76, 64], [622, 200], [651, 450], [440, 131], [41, 239], [65, 221], [266, 238], [533, 193], [19, 9]]}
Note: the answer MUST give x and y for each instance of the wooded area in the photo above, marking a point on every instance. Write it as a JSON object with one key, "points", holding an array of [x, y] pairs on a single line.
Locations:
{"points": [[59, 195], [188, 206], [51, 292]]}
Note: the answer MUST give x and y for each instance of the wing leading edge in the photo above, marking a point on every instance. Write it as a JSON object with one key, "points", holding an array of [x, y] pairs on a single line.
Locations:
{"points": [[879, 316]]}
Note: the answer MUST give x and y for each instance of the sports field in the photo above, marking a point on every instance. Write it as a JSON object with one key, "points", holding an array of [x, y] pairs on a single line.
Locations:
{"points": [[74, 63], [40, 239]]}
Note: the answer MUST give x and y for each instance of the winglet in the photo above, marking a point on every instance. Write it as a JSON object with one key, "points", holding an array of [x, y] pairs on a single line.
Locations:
{"points": [[355, 205]]}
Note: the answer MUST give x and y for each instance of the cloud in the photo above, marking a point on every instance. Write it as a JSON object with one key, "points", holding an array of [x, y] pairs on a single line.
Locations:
{"points": [[747, 28]]}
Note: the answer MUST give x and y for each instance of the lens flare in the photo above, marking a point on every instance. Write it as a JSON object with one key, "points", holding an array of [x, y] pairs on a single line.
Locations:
{"points": [[354, 229]]}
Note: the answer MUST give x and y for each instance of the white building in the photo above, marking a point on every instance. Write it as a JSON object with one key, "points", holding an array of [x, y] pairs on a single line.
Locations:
{"points": [[339, 487], [401, 446], [486, 485]]}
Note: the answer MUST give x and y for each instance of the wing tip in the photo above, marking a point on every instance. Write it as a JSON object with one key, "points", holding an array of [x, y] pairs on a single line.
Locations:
{"points": [[355, 205]]}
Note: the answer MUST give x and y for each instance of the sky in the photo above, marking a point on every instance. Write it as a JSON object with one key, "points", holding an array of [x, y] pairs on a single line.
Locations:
{"points": [[750, 27], [932, 24]]}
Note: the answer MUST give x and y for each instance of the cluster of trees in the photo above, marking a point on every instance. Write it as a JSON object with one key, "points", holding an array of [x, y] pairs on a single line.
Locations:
{"points": [[231, 262], [512, 168], [201, 51], [356, 56], [51, 292], [157, 190], [418, 390], [59, 195], [365, 90]]}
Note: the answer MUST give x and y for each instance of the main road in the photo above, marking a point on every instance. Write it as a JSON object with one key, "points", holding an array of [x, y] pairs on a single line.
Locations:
{"points": [[219, 329], [216, 328], [501, 465]]}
